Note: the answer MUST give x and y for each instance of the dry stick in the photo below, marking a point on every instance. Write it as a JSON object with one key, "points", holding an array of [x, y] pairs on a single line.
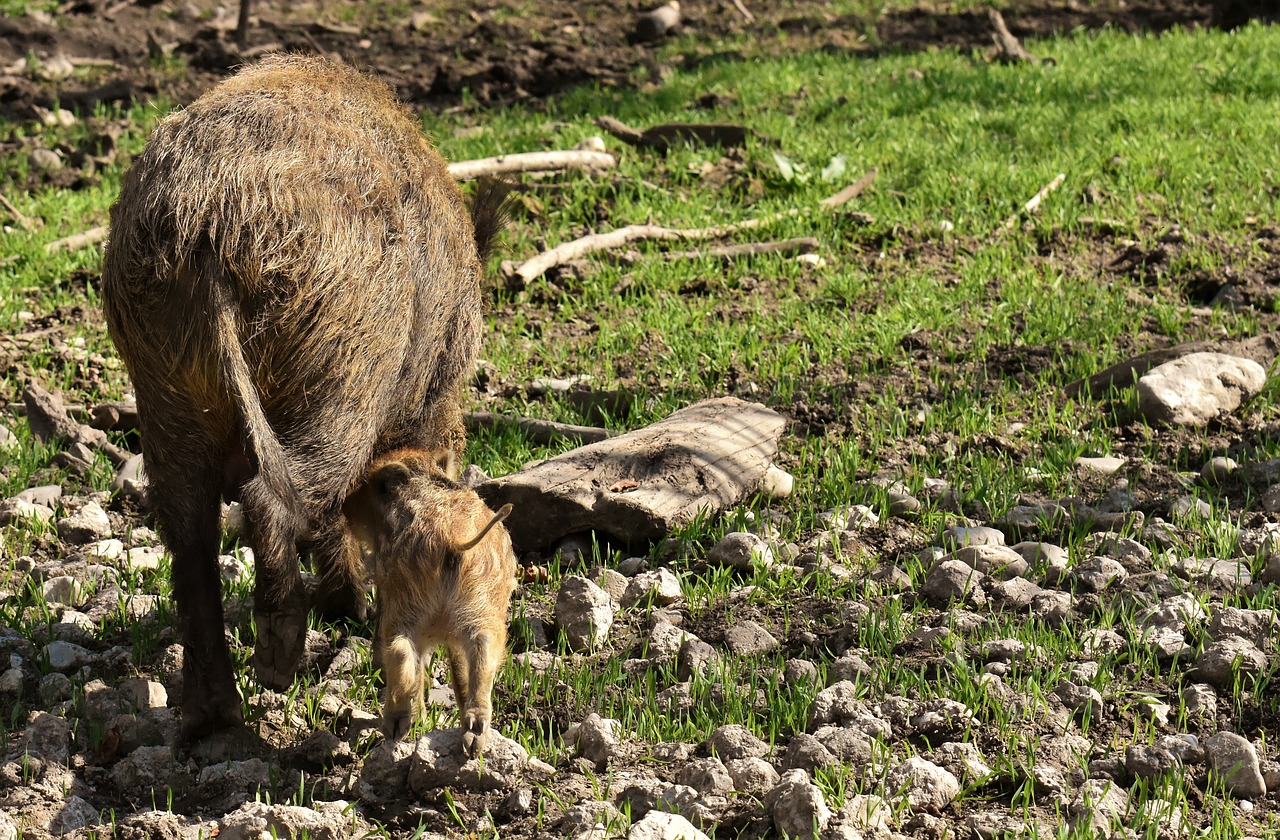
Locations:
{"points": [[661, 137], [242, 24], [27, 224], [539, 265], [539, 431], [1034, 202], [850, 192], [92, 236], [1009, 45], [744, 11], [799, 245], [465, 170]]}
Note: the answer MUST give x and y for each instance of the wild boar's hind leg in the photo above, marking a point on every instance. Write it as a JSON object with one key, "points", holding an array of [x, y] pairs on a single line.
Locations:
{"points": [[335, 557], [188, 513], [279, 602], [404, 684], [483, 654]]}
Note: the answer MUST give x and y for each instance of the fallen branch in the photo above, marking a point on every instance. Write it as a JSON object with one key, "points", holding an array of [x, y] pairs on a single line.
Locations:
{"points": [[1034, 202], [539, 431], [539, 265], [850, 192], [1007, 48], [663, 137], [744, 11], [466, 170], [789, 247], [92, 236], [27, 224]]}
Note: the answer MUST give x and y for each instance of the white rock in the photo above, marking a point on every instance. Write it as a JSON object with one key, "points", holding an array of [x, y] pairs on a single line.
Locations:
{"points": [[585, 612], [21, 511], [65, 657], [595, 738], [1256, 626], [112, 549], [924, 784], [747, 638], [1099, 804], [953, 581], [777, 483], [733, 740], [798, 806], [88, 524], [1102, 465], [63, 589], [960, 536], [144, 558], [752, 775], [657, 825], [9, 442], [660, 587], [1219, 663], [1194, 389]]}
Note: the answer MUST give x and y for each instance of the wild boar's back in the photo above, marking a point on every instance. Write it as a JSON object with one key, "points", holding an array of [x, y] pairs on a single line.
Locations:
{"points": [[297, 206]]}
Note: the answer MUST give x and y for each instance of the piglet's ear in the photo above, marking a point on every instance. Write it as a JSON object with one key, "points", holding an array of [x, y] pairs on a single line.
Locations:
{"points": [[389, 479], [502, 514]]}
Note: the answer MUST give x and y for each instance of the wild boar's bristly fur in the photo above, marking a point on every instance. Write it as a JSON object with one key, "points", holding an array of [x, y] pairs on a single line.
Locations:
{"points": [[293, 282]]}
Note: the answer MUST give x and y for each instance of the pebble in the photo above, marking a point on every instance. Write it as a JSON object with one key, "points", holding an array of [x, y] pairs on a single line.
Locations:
{"points": [[595, 738], [748, 638], [953, 581], [65, 656], [925, 785], [659, 825], [734, 741], [960, 536], [584, 612], [1100, 465], [660, 588], [1217, 469], [797, 805], [1235, 761], [1097, 573], [1219, 663], [89, 524], [741, 550], [751, 775]]}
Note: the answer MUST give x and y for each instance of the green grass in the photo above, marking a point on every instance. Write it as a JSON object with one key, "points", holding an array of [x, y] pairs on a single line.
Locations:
{"points": [[893, 338]]}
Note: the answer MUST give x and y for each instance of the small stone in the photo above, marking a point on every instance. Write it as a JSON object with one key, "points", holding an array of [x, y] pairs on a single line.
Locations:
{"points": [[801, 670], [849, 518], [754, 776], [45, 160], [747, 638], [9, 443], [708, 776], [992, 560], [1198, 387], [1228, 575], [777, 483], [64, 590], [11, 681], [611, 581], [584, 612], [1148, 761], [1256, 626], [1099, 803], [88, 524], [798, 806], [438, 761], [144, 558], [658, 825], [19, 511], [962, 760], [142, 693], [741, 550], [1200, 700], [695, 658], [1234, 760], [65, 657], [660, 587], [924, 784], [805, 752], [47, 736], [734, 741], [595, 739], [850, 666], [74, 814], [1219, 663], [953, 581], [1217, 469], [1101, 465], [960, 536], [1096, 574]]}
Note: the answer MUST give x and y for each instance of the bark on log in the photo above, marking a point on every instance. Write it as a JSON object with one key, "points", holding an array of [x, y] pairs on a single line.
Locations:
{"points": [[699, 461]]}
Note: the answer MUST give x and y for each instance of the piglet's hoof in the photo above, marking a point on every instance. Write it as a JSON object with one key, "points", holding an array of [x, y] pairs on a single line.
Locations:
{"points": [[475, 735], [281, 641]]}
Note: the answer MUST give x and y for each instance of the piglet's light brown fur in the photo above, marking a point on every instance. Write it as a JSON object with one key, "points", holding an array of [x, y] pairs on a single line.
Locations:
{"points": [[444, 570]]}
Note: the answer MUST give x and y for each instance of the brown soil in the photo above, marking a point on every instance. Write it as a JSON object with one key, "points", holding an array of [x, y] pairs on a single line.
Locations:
{"points": [[497, 50]]}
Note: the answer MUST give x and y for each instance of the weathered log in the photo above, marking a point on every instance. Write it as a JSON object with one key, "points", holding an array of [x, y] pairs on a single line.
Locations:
{"points": [[699, 461]]}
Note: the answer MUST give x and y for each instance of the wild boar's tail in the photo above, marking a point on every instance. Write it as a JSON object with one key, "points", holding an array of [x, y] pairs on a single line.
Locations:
{"points": [[490, 211], [263, 448]]}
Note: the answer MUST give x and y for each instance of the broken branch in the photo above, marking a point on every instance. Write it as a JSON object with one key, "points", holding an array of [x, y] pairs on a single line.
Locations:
{"points": [[850, 192], [465, 170], [789, 247], [1008, 48], [744, 11], [1034, 202], [539, 431], [539, 265], [92, 236], [27, 224], [663, 137]]}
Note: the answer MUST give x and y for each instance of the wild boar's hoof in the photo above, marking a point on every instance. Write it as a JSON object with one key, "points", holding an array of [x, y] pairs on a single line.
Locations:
{"points": [[394, 727], [203, 717], [475, 735], [341, 604], [281, 640]]}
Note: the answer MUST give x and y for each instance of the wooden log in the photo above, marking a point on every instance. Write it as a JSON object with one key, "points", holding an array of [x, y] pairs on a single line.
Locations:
{"points": [[92, 236], [697, 462]]}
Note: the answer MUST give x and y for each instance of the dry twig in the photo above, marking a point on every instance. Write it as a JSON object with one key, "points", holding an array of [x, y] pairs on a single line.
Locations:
{"points": [[850, 192], [539, 265], [92, 236], [662, 137], [466, 170], [539, 431], [789, 247], [1034, 201], [744, 11], [28, 224], [1007, 48]]}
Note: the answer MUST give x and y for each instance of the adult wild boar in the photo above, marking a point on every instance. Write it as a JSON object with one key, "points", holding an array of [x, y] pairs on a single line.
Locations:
{"points": [[293, 281]]}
